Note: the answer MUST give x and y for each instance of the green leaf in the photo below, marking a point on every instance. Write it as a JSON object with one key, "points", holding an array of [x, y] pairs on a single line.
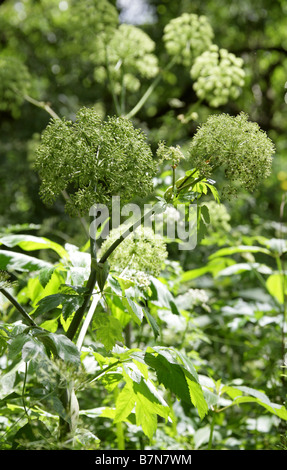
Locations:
{"points": [[232, 250], [145, 417], [32, 243], [125, 403], [275, 285], [32, 349], [135, 310], [205, 214], [214, 192], [69, 303], [16, 345], [45, 275], [108, 330], [34, 431], [151, 321], [148, 406], [12, 261], [162, 297], [60, 345], [254, 396], [177, 378], [214, 267]]}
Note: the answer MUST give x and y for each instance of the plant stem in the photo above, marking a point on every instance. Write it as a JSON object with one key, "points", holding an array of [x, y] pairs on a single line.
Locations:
{"points": [[20, 309], [211, 432], [93, 274], [43, 105], [150, 89], [125, 235], [75, 323], [87, 321], [114, 96]]}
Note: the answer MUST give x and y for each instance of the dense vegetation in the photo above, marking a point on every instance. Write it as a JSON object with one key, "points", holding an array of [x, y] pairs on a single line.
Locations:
{"points": [[143, 340]]}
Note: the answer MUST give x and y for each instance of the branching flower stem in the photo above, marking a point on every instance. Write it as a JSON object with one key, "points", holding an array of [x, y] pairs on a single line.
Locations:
{"points": [[43, 105], [91, 283], [150, 89]]}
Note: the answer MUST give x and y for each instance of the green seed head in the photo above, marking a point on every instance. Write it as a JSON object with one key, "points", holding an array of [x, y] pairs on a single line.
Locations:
{"points": [[93, 160], [238, 146]]}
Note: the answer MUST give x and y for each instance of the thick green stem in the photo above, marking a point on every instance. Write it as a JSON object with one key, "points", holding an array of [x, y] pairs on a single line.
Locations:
{"points": [[93, 275], [75, 323], [211, 432]]}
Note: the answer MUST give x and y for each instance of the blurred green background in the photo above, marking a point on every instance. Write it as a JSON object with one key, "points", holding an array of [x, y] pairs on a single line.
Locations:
{"points": [[58, 43]]}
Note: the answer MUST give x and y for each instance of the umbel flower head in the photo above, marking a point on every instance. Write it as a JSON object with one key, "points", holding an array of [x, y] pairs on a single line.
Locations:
{"points": [[172, 154], [142, 250], [128, 55], [93, 160], [187, 36], [237, 145], [218, 76]]}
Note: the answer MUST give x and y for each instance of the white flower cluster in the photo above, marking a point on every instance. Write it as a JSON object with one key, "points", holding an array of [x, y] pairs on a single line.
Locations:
{"points": [[218, 76], [187, 36], [140, 278], [192, 298]]}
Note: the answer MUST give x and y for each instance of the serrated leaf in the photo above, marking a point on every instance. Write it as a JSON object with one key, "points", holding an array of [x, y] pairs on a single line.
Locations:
{"points": [[162, 297], [145, 418], [32, 243], [32, 349], [125, 403], [45, 275], [135, 310], [33, 431], [108, 330], [148, 406], [16, 345], [10, 260], [177, 378], [197, 397], [214, 192], [69, 303], [66, 349]]}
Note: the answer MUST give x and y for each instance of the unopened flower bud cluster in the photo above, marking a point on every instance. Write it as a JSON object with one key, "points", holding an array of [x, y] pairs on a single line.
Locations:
{"points": [[142, 250], [129, 56], [187, 36], [218, 75], [172, 154]]}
